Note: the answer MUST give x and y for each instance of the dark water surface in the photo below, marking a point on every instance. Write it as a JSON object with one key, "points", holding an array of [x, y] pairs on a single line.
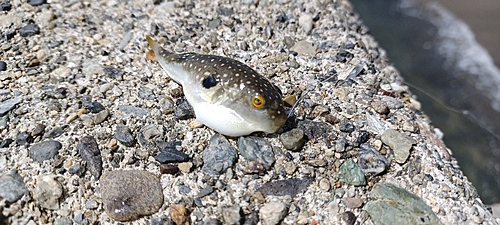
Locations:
{"points": [[454, 78]]}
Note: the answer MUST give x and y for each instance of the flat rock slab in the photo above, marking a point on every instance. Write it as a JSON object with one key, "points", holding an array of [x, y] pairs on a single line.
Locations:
{"points": [[129, 194]]}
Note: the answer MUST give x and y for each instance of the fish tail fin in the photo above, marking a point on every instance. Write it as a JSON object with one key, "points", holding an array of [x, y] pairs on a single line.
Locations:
{"points": [[155, 46]]}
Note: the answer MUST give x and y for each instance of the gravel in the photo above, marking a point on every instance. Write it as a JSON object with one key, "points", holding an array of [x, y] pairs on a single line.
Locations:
{"points": [[80, 68]]}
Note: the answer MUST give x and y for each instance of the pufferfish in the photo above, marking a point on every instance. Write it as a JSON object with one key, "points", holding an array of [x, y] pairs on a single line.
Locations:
{"points": [[226, 95]]}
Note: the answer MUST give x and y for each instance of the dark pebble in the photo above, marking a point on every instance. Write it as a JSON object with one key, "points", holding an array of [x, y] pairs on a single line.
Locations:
{"points": [[212, 221], [254, 167], [124, 135], [170, 154], [24, 138], [257, 149], [5, 7], [346, 126], [37, 2], [29, 30], [38, 130], [6, 142], [76, 169], [314, 129], [129, 194], [219, 155], [113, 72], [158, 221], [89, 151], [184, 189], [183, 110], [290, 187], [293, 140], [55, 44], [94, 107], [3, 66], [168, 169], [46, 150], [348, 217], [363, 136]]}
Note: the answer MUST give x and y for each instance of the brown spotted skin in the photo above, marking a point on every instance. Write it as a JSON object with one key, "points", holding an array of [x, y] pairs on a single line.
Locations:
{"points": [[228, 83]]}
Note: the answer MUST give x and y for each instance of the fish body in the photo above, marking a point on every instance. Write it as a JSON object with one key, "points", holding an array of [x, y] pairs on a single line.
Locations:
{"points": [[226, 95]]}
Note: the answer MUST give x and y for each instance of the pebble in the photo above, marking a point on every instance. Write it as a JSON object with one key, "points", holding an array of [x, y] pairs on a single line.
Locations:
{"points": [[168, 169], [395, 205], [6, 142], [93, 106], [352, 203], [149, 134], [47, 191], [138, 112], [324, 184], [399, 143], [257, 149], [170, 154], [304, 48], [293, 140], [380, 107], [371, 161], [24, 138], [146, 93], [291, 187], [37, 2], [205, 191], [3, 66], [124, 135], [8, 105], [38, 130], [272, 213], [254, 167], [231, 215], [183, 111], [12, 186], [313, 129], [129, 194], [125, 40], [63, 221], [29, 30], [45, 150], [5, 6], [178, 213], [89, 152], [351, 173], [185, 167], [306, 22], [347, 217], [91, 204], [219, 155], [76, 169], [101, 116]]}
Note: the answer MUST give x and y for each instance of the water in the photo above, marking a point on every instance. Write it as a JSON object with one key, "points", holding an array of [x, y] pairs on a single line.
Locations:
{"points": [[454, 78]]}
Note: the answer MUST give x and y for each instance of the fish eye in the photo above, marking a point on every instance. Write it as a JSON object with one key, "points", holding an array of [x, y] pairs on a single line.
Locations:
{"points": [[258, 101]]}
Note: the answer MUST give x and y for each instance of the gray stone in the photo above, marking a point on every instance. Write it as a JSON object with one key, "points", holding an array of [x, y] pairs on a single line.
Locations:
{"points": [[351, 173], [347, 217], [37, 2], [293, 140], [219, 155], [91, 204], [146, 93], [47, 192], [124, 135], [133, 110], [148, 135], [272, 213], [290, 187], [231, 215], [257, 149], [76, 169], [12, 186], [183, 110], [90, 153], [29, 30], [306, 22], [205, 191], [63, 221], [170, 154], [371, 161], [7, 105], [394, 205], [399, 143], [101, 116], [24, 138], [46, 150], [130, 194]]}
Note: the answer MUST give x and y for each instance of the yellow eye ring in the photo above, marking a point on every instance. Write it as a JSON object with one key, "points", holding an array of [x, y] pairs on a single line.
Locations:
{"points": [[258, 101]]}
